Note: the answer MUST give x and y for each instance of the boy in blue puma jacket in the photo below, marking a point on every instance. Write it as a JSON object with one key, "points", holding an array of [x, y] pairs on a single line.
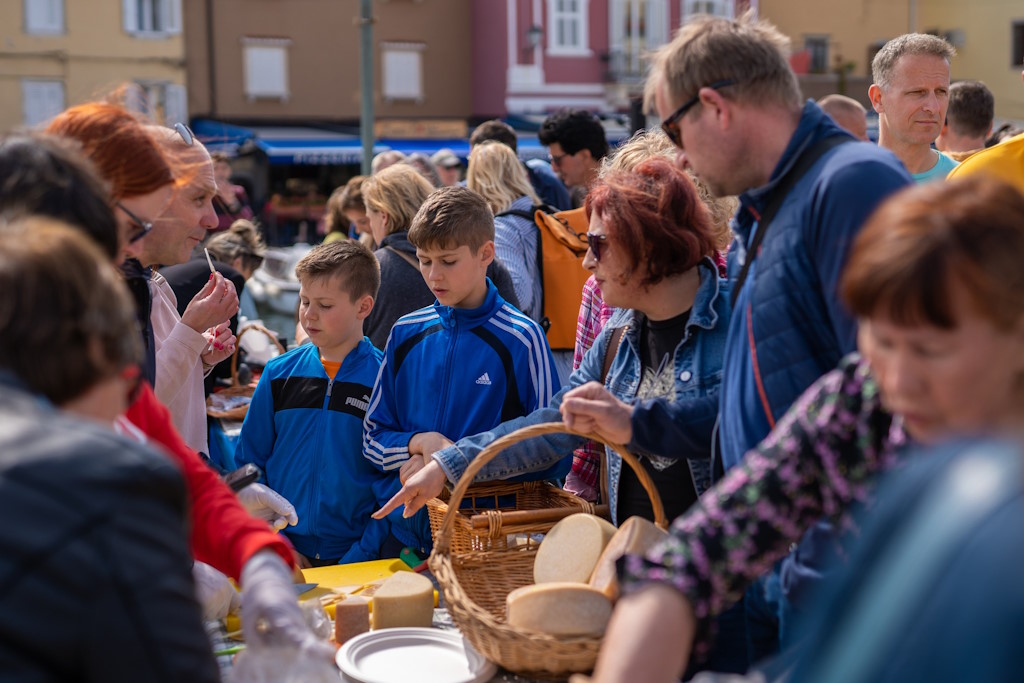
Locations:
{"points": [[304, 425], [463, 365]]}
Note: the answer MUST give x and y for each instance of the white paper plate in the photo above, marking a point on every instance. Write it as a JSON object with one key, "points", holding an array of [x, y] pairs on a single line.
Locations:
{"points": [[423, 655]]}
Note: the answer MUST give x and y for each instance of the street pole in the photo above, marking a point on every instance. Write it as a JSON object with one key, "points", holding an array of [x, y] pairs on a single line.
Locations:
{"points": [[366, 82]]}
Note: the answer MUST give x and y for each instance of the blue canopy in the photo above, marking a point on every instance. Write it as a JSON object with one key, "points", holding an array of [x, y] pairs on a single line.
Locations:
{"points": [[318, 147]]}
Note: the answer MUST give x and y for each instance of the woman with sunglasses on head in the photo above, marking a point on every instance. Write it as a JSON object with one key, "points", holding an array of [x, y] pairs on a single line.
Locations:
{"points": [[98, 520], [651, 250], [47, 175]]}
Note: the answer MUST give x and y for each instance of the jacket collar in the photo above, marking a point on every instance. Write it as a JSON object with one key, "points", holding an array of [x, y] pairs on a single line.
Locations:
{"points": [[471, 317], [814, 125], [703, 313], [399, 241]]}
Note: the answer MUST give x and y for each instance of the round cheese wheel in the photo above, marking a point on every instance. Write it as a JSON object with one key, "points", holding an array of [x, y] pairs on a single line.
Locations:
{"points": [[569, 552], [635, 537], [559, 609]]}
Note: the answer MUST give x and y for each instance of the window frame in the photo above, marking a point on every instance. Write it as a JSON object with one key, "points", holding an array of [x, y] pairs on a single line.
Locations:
{"points": [[723, 8], [26, 83], [580, 17], [169, 12], [387, 90], [59, 25], [250, 46], [1017, 43]]}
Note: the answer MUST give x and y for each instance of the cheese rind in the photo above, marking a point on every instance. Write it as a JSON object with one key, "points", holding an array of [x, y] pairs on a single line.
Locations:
{"points": [[635, 537], [569, 552], [405, 599], [559, 609]]}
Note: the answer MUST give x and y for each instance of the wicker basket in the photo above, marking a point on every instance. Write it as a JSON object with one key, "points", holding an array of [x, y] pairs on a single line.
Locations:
{"points": [[493, 512], [235, 389], [476, 582]]}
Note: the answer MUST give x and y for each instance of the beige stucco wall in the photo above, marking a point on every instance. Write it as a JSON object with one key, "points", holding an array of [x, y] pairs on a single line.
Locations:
{"points": [[854, 26], [851, 25], [92, 57], [986, 51], [323, 68]]}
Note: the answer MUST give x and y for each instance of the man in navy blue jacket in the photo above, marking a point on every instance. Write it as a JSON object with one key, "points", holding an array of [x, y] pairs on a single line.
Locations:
{"points": [[732, 105]]}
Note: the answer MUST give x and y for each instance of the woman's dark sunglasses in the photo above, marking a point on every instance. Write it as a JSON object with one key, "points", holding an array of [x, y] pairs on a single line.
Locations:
{"points": [[671, 124], [596, 242], [144, 227]]}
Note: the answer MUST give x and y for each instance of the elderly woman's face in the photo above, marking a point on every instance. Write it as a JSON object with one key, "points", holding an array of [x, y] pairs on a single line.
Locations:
{"points": [[947, 382]]}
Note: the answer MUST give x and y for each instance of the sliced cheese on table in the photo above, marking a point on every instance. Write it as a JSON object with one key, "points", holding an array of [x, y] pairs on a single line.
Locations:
{"points": [[405, 599], [635, 537], [351, 617], [569, 552], [559, 609]]}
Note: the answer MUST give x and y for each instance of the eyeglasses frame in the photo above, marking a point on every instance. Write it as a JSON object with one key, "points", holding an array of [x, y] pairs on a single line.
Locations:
{"points": [[145, 227], [670, 124]]}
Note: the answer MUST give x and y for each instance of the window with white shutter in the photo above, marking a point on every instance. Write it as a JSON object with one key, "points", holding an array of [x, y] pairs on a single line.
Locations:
{"points": [[44, 17], [266, 67], [716, 8], [159, 17], [41, 100], [402, 71], [568, 27]]}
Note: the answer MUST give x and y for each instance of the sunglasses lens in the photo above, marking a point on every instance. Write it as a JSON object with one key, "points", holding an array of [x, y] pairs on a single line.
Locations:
{"points": [[594, 242]]}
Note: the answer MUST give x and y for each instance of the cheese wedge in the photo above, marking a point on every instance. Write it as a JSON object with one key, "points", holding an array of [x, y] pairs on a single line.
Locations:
{"points": [[635, 537], [351, 617], [569, 552], [404, 599], [559, 609]]}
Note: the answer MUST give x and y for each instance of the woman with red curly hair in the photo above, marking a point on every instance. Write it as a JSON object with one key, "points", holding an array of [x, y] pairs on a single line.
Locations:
{"points": [[652, 251]]}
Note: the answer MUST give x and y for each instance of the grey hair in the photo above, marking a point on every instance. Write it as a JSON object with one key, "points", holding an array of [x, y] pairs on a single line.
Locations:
{"points": [[884, 63]]}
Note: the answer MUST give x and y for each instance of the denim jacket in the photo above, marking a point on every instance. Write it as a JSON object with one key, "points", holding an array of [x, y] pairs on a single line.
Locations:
{"points": [[698, 365]]}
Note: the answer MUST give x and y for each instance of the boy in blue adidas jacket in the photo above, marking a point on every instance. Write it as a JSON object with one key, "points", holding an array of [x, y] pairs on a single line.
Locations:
{"points": [[304, 425], [461, 366]]}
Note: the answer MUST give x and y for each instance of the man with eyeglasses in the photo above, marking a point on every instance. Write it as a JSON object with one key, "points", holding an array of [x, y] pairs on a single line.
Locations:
{"points": [[187, 346], [576, 144], [732, 105]]}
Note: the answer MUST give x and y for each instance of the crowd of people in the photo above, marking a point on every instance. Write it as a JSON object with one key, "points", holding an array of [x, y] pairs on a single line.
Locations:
{"points": [[783, 320]]}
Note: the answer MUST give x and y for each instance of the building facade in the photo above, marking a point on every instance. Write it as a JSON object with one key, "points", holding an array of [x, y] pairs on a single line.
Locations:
{"points": [[535, 56], [298, 61], [57, 53], [836, 38]]}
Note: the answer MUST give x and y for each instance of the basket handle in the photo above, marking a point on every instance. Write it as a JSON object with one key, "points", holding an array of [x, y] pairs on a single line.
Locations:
{"points": [[238, 346], [441, 543]]}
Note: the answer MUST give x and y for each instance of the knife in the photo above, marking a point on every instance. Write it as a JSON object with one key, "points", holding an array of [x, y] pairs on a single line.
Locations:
{"points": [[302, 588]]}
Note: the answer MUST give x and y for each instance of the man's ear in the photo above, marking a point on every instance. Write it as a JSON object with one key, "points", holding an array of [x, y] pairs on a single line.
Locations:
{"points": [[364, 306], [486, 253], [712, 100], [875, 95]]}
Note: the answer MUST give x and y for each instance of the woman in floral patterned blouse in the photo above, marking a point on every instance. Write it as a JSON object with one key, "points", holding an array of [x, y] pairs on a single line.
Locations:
{"points": [[935, 278]]}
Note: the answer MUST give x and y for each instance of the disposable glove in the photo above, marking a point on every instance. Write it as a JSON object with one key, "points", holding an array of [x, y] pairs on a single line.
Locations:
{"points": [[214, 591], [266, 503], [271, 616]]}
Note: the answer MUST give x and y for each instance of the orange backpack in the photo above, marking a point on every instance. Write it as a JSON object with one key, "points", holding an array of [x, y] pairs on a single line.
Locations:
{"points": [[560, 251]]}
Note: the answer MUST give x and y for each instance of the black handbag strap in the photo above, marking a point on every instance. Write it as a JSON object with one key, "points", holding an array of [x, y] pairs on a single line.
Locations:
{"points": [[803, 164]]}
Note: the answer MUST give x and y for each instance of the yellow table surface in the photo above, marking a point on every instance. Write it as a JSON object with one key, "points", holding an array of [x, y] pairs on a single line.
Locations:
{"points": [[344, 577]]}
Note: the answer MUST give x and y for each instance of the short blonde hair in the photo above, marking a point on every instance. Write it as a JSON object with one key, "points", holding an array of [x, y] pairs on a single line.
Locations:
{"points": [[496, 173], [398, 191], [653, 144], [751, 53]]}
